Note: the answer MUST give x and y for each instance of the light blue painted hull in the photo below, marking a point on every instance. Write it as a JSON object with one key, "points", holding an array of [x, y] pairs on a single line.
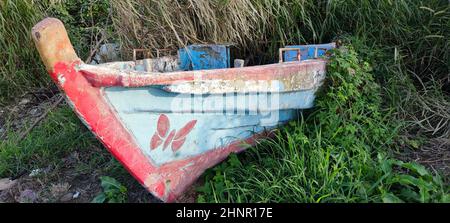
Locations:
{"points": [[221, 118]]}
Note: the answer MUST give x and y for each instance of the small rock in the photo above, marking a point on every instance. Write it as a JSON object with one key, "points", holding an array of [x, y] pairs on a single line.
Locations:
{"points": [[76, 195], [35, 172], [27, 196], [24, 101], [6, 183], [35, 112], [66, 197]]}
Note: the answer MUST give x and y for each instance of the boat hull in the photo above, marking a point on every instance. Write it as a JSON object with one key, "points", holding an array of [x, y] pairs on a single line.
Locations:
{"points": [[170, 127], [127, 119], [167, 138]]}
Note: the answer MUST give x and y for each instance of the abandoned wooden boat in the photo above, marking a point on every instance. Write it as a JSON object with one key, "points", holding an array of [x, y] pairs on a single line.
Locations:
{"points": [[168, 127]]}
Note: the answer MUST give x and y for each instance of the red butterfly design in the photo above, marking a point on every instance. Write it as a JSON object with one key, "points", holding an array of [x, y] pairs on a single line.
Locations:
{"points": [[175, 138]]}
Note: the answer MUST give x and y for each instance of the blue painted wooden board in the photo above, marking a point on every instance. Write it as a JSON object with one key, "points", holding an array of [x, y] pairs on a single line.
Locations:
{"points": [[306, 51], [204, 57]]}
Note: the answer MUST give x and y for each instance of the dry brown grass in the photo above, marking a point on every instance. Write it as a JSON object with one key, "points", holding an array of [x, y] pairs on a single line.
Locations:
{"points": [[172, 24]]}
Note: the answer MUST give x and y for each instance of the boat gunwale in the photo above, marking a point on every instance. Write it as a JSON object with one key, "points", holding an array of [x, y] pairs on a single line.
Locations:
{"points": [[102, 76]]}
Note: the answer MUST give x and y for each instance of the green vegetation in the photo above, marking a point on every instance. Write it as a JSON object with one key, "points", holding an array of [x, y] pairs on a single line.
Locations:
{"points": [[113, 191], [58, 135], [388, 93], [337, 153], [21, 68]]}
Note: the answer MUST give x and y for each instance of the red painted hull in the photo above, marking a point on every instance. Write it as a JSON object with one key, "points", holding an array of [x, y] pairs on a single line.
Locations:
{"points": [[166, 182]]}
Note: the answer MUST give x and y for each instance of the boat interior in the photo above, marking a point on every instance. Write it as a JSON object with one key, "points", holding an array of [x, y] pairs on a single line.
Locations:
{"points": [[209, 56]]}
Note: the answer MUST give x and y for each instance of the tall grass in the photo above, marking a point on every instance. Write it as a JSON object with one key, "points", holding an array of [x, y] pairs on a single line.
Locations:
{"points": [[249, 24], [21, 68], [418, 26]]}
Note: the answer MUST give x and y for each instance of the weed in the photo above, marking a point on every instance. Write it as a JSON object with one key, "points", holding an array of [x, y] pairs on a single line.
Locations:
{"points": [[19, 62], [113, 191], [411, 181], [62, 145]]}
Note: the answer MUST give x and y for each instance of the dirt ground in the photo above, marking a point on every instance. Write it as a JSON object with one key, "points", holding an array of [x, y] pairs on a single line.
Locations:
{"points": [[68, 182]]}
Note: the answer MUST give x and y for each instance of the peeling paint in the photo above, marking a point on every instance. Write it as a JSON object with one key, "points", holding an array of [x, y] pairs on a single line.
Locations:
{"points": [[290, 76]]}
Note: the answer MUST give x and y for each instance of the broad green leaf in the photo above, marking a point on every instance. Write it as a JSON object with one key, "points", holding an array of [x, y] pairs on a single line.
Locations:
{"points": [[109, 183], [416, 168], [409, 195], [99, 198], [391, 198]]}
